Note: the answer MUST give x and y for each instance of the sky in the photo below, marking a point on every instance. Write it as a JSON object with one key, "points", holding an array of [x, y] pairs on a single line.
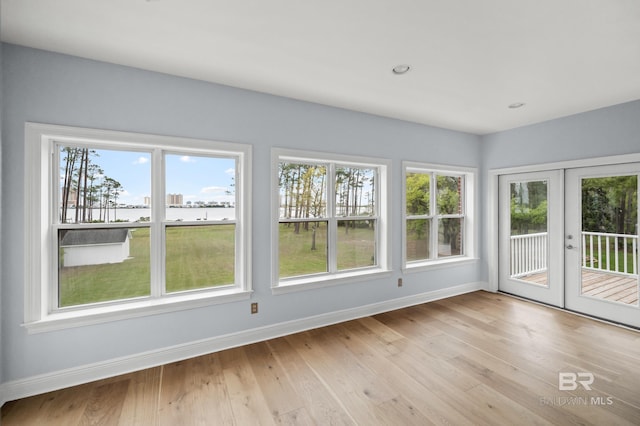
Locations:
{"points": [[197, 178]]}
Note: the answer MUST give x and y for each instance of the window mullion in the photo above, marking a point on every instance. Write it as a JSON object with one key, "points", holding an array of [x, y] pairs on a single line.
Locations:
{"points": [[51, 293], [433, 195], [332, 223], [157, 230]]}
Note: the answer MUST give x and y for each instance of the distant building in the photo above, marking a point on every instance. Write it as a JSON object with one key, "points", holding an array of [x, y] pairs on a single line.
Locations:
{"points": [[175, 200], [95, 246], [147, 201]]}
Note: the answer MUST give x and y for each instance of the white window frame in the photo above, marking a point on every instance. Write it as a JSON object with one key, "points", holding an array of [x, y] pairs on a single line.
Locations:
{"points": [[470, 230], [41, 208], [332, 277]]}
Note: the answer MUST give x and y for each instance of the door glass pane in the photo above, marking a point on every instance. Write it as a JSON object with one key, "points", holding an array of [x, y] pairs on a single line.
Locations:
{"points": [[529, 232], [610, 238]]}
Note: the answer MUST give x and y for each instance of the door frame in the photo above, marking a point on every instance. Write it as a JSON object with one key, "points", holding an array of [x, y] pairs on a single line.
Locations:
{"points": [[553, 292], [574, 300], [491, 233]]}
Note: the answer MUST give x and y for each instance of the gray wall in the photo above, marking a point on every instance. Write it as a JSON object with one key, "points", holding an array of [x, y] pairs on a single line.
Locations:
{"points": [[600, 133], [50, 88]]}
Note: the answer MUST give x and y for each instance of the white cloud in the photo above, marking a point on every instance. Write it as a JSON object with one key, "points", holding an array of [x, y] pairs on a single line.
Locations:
{"points": [[213, 189], [230, 172], [187, 159], [141, 160]]}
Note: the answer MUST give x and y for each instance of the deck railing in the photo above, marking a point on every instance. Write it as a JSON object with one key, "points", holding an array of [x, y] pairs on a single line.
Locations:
{"points": [[528, 254], [600, 251], [610, 252]]}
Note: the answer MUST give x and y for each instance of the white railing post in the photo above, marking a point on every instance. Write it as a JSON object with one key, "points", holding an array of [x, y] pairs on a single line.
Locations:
{"points": [[528, 254], [590, 261]]}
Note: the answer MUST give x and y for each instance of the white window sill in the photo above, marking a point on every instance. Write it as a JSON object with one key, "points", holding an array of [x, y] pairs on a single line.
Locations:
{"points": [[438, 264], [96, 315], [328, 280]]}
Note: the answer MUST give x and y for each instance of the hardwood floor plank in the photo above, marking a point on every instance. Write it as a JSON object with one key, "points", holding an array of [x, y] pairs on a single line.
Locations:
{"points": [[476, 359], [140, 406], [248, 403], [275, 385], [58, 408], [321, 403], [375, 356], [297, 417], [354, 386], [195, 389], [105, 404]]}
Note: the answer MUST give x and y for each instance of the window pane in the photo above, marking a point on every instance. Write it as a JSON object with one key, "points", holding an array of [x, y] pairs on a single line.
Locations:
{"points": [[528, 207], [100, 185], [450, 237], [529, 254], [355, 191], [418, 193], [356, 244], [418, 231], [302, 248], [199, 188], [199, 256], [98, 265], [302, 190], [449, 195]]}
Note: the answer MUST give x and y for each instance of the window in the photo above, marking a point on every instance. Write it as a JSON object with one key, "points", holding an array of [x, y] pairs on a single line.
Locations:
{"points": [[438, 225], [330, 218], [128, 224]]}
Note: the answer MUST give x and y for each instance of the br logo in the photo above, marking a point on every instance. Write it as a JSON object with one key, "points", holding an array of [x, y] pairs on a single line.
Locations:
{"points": [[569, 381]]}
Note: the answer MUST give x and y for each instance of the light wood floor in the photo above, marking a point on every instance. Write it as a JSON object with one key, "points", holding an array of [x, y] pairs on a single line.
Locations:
{"points": [[475, 359]]}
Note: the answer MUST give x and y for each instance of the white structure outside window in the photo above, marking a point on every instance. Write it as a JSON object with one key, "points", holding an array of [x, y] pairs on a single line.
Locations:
{"points": [[439, 223], [104, 242], [330, 219]]}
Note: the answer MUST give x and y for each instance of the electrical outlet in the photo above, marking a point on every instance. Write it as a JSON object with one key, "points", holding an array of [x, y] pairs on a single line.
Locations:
{"points": [[399, 282], [254, 308]]}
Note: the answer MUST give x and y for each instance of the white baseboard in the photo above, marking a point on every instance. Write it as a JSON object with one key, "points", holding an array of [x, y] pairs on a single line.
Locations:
{"points": [[87, 373]]}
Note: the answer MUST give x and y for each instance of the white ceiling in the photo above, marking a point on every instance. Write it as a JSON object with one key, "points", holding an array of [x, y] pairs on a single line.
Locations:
{"points": [[469, 59]]}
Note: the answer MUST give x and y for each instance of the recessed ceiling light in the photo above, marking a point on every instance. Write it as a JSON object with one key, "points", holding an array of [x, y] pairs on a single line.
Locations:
{"points": [[516, 105], [401, 69]]}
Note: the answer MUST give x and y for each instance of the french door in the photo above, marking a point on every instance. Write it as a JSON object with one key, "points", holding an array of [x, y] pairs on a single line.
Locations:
{"points": [[530, 236], [601, 249], [569, 238]]}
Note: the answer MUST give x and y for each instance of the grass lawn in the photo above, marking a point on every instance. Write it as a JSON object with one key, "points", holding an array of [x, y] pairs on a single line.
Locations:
{"points": [[197, 257], [356, 248], [203, 256]]}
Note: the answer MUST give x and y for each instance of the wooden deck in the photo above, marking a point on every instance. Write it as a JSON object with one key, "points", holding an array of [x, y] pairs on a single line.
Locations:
{"points": [[604, 285], [616, 287]]}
